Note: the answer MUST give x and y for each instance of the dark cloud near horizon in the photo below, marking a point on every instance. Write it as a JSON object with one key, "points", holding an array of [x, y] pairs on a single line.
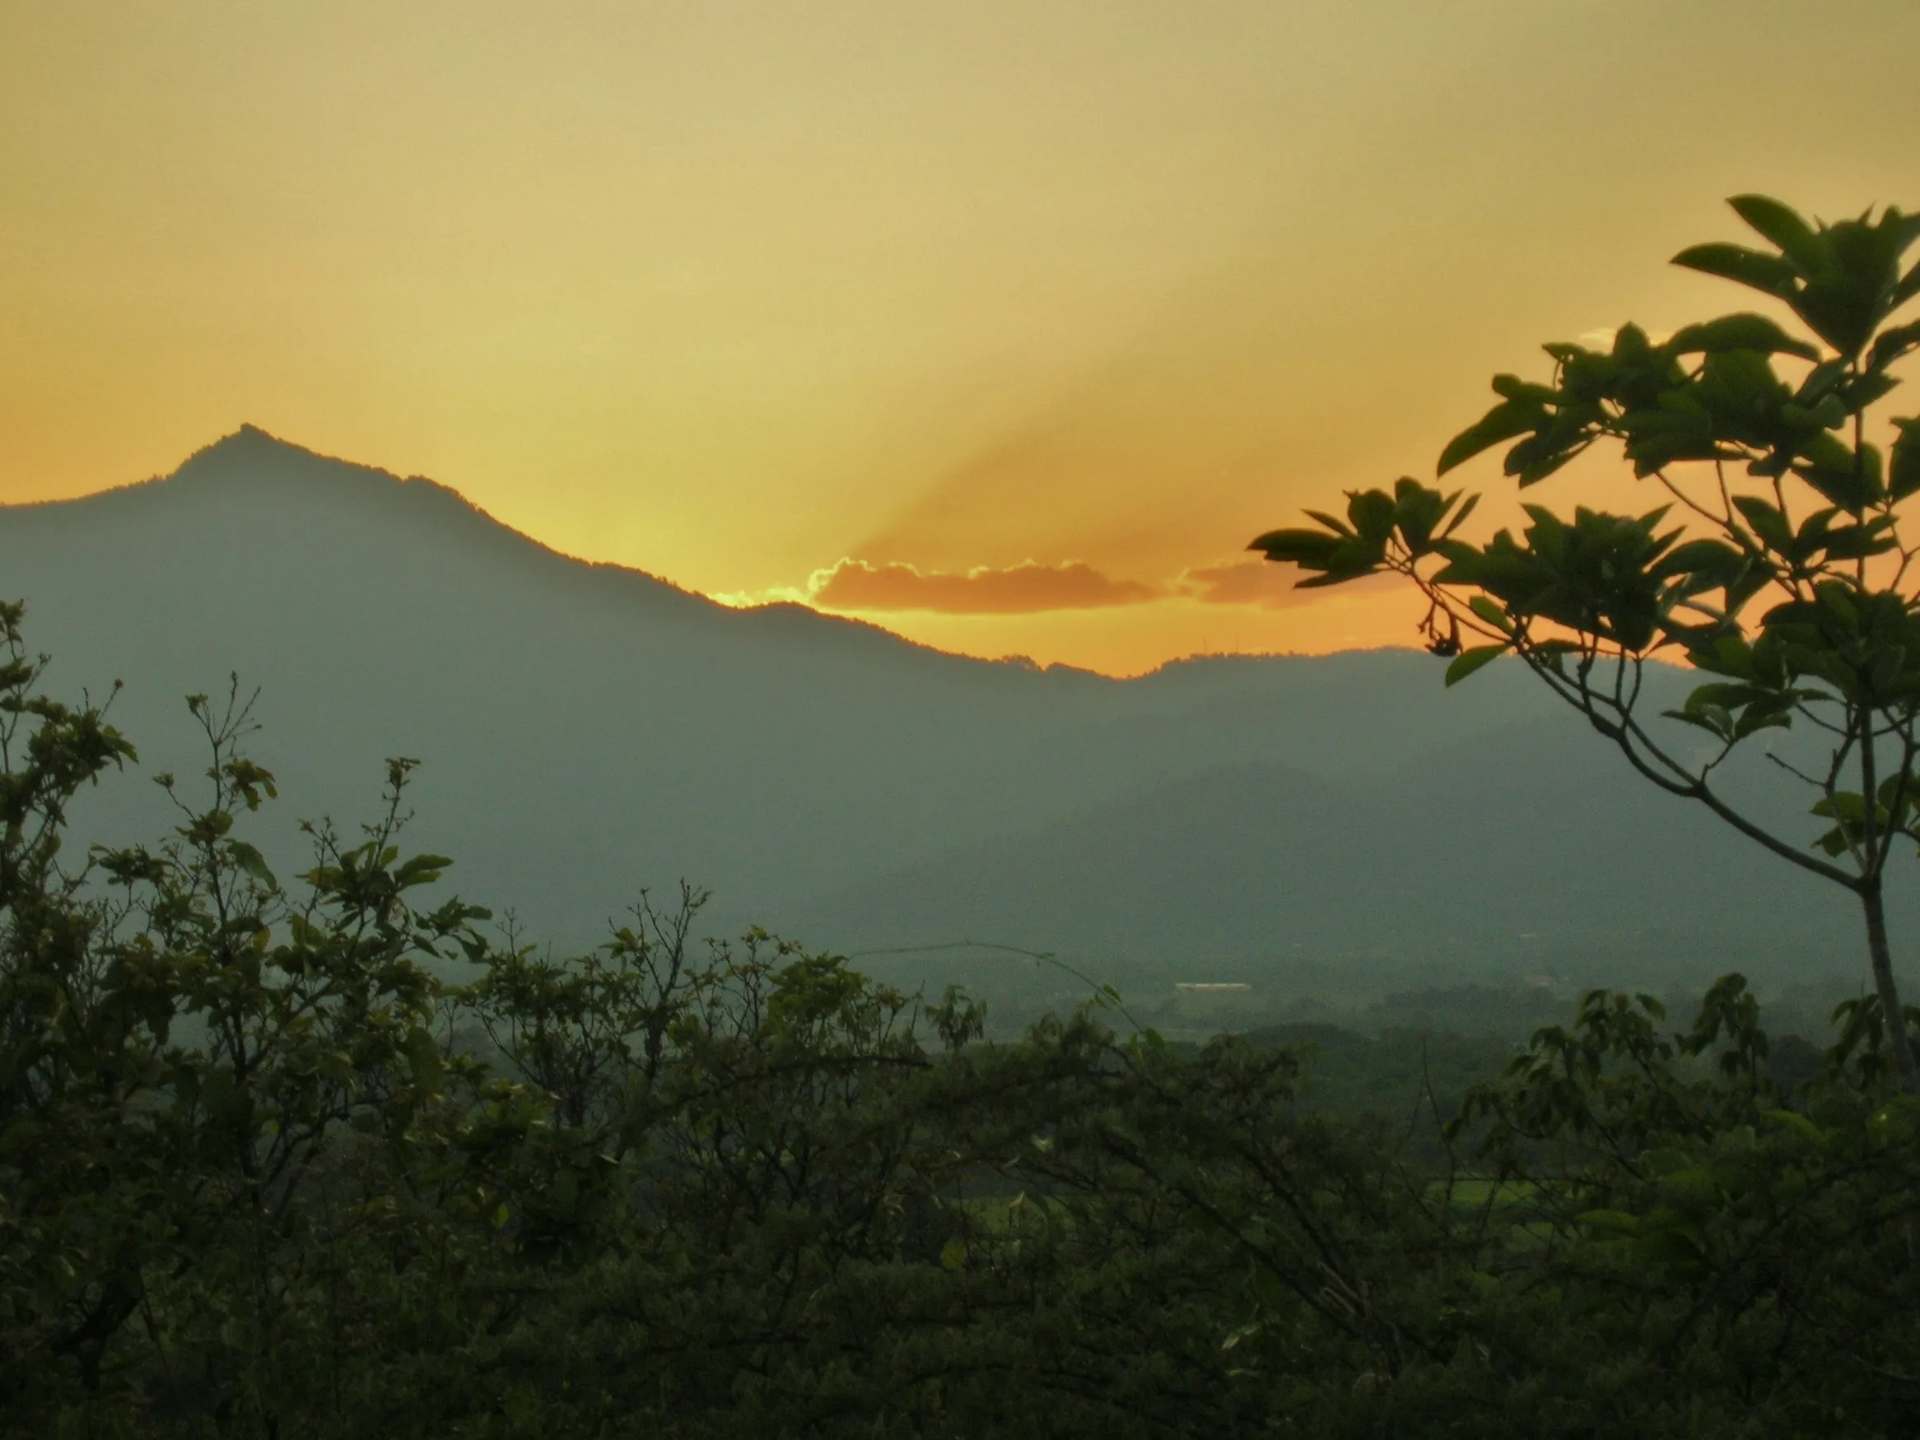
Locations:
{"points": [[984, 590], [1031, 587], [1265, 583]]}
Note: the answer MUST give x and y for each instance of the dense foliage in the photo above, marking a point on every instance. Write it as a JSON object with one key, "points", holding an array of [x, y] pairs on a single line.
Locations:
{"points": [[1783, 491], [324, 1158]]}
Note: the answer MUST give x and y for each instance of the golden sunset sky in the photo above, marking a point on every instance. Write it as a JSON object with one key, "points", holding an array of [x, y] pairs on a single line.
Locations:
{"points": [[1003, 323]]}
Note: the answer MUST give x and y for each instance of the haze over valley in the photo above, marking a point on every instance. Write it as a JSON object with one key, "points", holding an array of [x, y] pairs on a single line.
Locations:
{"points": [[1332, 825]]}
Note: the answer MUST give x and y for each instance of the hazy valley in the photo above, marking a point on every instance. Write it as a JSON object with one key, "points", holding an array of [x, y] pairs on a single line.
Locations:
{"points": [[1337, 827]]}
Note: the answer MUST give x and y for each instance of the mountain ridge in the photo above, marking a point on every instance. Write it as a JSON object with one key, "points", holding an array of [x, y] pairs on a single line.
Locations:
{"points": [[251, 454], [589, 730]]}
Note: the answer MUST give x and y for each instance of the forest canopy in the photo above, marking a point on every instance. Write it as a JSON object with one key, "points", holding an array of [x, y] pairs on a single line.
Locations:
{"points": [[332, 1155]]}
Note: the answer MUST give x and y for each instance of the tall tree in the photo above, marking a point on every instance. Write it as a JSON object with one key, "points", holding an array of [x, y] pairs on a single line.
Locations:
{"points": [[1780, 562]]}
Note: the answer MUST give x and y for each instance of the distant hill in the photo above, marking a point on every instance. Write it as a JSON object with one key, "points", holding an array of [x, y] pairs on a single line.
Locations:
{"points": [[1526, 850], [587, 730]]}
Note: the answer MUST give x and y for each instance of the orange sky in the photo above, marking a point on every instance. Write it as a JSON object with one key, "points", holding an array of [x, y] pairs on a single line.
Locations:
{"points": [[1027, 315]]}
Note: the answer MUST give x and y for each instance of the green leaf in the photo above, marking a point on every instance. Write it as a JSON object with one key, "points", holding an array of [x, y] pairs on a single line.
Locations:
{"points": [[420, 870], [1503, 422], [1785, 228], [1892, 344], [1909, 285], [1460, 516], [1340, 552], [1766, 273], [1417, 509], [1716, 720], [1371, 513], [1730, 696], [1468, 661], [1743, 331], [1758, 718], [1845, 477], [1841, 805], [1332, 522], [1903, 465], [1729, 655], [1539, 456], [1866, 389], [1309, 549], [1767, 523], [1707, 564], [1856, 542], [1651, 454], [1512, 387], [1490, 611], [251, 861]]}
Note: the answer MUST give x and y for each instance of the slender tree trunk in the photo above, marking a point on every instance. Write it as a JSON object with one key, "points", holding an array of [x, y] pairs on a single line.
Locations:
{"points": [[1898, 1041]]}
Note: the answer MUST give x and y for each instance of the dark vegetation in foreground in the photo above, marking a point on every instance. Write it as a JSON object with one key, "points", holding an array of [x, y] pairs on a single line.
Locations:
{"points": [[322, 1158]]}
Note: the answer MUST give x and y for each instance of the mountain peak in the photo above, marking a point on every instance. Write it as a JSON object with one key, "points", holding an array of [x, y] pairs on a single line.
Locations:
{"points": [[253, 454], [250, 438], [252, 462]]}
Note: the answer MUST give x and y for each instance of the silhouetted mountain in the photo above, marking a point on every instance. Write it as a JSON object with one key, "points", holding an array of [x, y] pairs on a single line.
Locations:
{"points": [[587, 730]]}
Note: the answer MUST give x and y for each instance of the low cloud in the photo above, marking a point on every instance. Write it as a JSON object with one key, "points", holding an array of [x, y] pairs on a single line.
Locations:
{"points": [[1032, 588], [1268, 584], [984, 590]]}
